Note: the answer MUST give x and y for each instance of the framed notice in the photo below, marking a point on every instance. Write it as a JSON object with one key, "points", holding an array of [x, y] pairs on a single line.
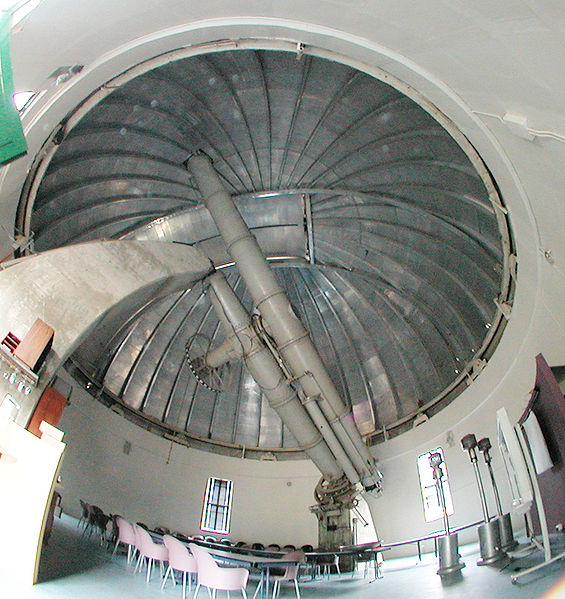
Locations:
{"points": [[431, 501]]}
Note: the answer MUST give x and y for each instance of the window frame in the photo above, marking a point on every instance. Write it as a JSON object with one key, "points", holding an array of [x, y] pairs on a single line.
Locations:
{"points": [[217, 506]]}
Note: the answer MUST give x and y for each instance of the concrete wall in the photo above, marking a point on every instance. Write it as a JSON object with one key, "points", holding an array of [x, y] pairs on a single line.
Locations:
{"points": [[71, 288]]}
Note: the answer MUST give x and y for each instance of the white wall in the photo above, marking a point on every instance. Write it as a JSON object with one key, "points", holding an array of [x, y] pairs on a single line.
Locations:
{"points": [[270, 502], [162, 486]]}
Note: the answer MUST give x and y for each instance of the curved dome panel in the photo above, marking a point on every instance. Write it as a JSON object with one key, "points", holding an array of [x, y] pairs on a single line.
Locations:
{"points": [[377, 222]]}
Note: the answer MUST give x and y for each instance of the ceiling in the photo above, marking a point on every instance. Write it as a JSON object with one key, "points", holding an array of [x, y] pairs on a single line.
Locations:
{"points": [[377, 222]]}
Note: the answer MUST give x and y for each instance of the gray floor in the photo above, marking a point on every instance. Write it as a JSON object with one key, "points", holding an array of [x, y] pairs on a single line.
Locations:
{"points": [[77, 568]]}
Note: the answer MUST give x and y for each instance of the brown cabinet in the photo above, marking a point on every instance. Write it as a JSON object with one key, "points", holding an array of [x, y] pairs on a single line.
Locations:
{"points": [[34, 347]]}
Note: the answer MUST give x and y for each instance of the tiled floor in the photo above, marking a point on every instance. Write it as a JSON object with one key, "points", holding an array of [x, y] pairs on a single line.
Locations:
{"points": [[77, 568]]}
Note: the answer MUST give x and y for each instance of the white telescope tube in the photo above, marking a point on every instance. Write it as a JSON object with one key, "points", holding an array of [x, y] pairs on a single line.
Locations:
{"points": [[292, 339], [242, 340]]}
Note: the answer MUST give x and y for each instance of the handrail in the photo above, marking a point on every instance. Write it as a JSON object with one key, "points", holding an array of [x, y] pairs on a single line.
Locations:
{"points": [[434, 535], [374, 546]]}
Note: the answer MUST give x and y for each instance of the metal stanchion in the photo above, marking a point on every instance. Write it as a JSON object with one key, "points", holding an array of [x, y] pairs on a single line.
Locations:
{"points": [[447, 545], [489, 532], [505, 523]]}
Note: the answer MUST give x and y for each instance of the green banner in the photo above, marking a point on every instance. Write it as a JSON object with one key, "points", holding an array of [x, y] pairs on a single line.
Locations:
{"points": [[12, 140]]}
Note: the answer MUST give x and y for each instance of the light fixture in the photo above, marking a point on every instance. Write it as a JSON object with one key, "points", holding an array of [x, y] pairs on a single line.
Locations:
{"points": [[21, 99]]}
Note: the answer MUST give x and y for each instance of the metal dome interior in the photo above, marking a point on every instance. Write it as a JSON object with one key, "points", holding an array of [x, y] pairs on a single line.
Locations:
{"points": [[379, 218]]}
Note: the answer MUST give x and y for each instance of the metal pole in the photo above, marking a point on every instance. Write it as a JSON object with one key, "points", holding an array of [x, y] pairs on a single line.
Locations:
{"points": [[489, 532], [436, 460], [446, 547], [504, 520], [469, 443], [484, 447]]}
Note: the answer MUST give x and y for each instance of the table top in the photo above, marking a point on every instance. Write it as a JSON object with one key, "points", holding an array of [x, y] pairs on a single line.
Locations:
{"points": [[260, 557], [256, 561]]}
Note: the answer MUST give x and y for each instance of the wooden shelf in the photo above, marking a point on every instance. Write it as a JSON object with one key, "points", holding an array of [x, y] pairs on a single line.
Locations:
{"points": [[21, 369]]}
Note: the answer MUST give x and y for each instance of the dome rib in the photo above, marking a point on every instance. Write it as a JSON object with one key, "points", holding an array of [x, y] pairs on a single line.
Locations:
{"points": [[379, 225]]}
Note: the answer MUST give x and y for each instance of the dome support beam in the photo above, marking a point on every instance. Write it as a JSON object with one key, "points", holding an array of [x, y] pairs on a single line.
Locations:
{"points": [[72, 288]]}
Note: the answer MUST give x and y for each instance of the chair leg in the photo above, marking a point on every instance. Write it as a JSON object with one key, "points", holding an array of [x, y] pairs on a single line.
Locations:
{"points": [[244, 593], [116, 547], [196, 590], [149, 567], [166, 577], [297, 589], [139, 561], [258, 588], [276, 585]]}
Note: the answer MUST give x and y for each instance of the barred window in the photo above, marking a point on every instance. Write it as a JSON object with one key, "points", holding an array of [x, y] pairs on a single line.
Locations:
{"points": [[430, 493], [216, 511]]}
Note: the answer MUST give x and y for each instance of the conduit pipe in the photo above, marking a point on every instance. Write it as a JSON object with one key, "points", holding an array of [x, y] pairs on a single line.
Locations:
{"points": [[292, 340], [242, 341]]}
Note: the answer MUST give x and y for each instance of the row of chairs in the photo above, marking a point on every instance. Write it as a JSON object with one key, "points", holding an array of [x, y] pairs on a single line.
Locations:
{"points": [[274, 547], [188, 562], [142, 548], [94, 520], [319, 568]]}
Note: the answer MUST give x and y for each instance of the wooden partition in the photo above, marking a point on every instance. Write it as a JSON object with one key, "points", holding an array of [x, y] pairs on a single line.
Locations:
{"points": [[28, 470], [548, 404], [49, 409]]}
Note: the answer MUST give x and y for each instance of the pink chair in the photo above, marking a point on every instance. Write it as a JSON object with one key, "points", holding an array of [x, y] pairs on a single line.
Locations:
{"points": [[149, 550], [216, 578], [126, 536], [290, 573], [181, 560]]}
